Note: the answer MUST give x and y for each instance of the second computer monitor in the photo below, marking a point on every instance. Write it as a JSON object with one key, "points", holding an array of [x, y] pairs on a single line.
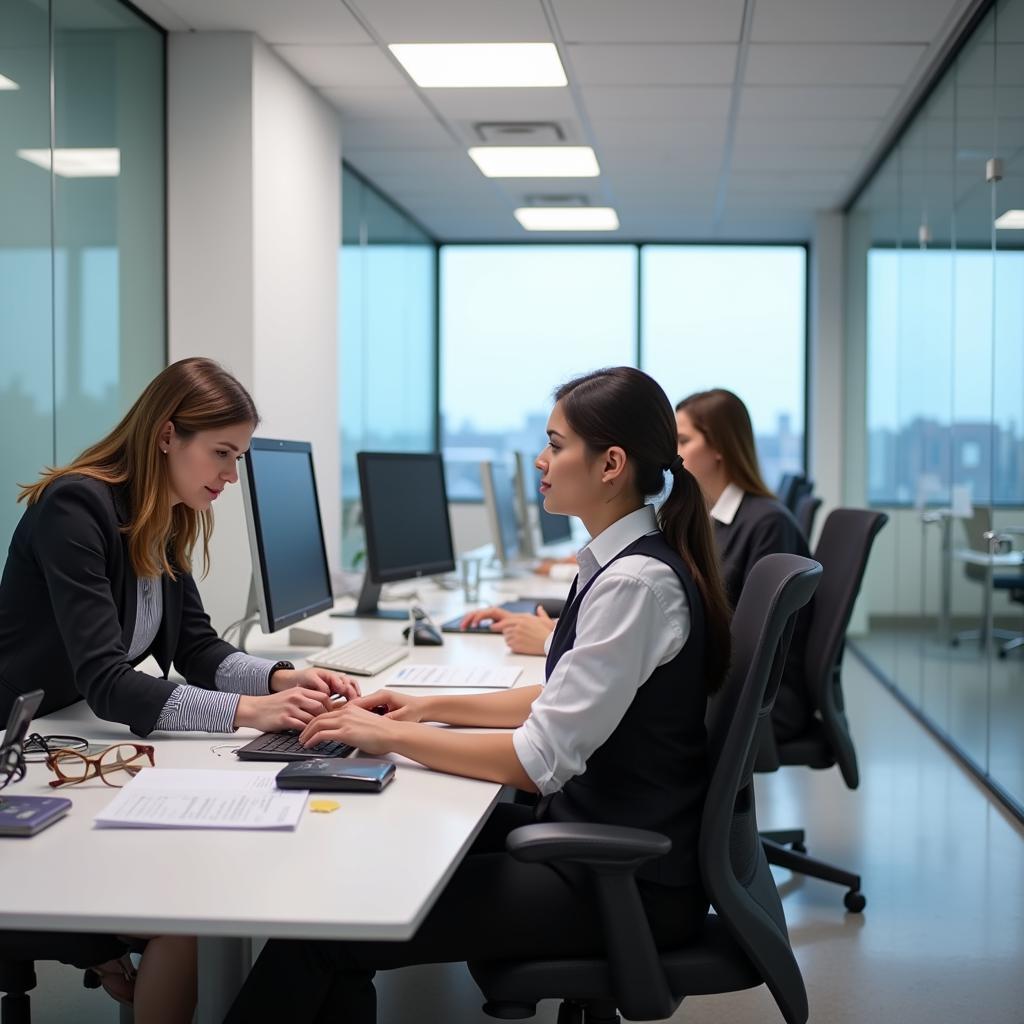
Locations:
{"points": [[405, 514], [500, 502]]}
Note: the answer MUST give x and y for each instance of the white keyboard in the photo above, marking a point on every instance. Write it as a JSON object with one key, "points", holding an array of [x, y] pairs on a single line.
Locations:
{"points": [[360, 657]]}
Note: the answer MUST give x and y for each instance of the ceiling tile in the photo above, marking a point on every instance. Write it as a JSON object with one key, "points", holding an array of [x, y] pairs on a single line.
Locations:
{"points": [[398, 133], [844, 21], [771, 101], [650, 21], [456, 21], [363, 67], [688, 135], [759, 158], [656, 101], [830, 64], [809, 132], [503, 104], [298, 21], [652, 64], [386, 104]]}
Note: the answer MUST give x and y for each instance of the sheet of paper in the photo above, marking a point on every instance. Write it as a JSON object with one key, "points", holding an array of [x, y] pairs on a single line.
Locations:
{"points": [[454, 675], [194, 798]]}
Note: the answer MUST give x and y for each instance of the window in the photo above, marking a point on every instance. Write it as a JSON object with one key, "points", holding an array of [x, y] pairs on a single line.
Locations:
{"points": [[517, 321], [732, 317]]}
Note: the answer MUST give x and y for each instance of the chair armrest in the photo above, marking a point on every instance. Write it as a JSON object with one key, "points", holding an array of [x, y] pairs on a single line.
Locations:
{"points": [[610, 846], [610, 855]]}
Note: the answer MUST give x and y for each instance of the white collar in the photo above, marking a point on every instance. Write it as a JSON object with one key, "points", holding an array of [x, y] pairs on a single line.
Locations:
{"points": [[613, 539], [728, 504]]}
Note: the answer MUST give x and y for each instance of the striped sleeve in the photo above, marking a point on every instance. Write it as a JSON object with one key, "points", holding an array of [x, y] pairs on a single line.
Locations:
{"points": [[242, 673], [195, 709]]}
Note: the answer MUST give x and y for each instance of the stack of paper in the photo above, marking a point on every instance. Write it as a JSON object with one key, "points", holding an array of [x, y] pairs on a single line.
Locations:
{"points": [[455, 675], [195, 798]]}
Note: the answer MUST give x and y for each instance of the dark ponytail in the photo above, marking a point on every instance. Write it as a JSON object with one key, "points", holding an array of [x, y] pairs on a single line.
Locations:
{"points": [[624, 407]]}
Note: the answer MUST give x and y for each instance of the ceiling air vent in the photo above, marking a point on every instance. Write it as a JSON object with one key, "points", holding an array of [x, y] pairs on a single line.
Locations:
{"points": [[519, 133], [557, 201]]}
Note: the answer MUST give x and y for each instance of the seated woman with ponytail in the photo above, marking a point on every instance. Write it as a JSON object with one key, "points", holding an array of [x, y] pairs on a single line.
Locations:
{"points": [[614, 736]]}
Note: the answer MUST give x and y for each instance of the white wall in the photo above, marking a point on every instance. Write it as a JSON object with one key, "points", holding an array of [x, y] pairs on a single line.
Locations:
{"points": [[254, 226]]}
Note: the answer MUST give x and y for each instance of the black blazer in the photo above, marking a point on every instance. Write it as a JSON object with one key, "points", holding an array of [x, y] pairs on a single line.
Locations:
{"points": [[763, 526], [68, 606]]}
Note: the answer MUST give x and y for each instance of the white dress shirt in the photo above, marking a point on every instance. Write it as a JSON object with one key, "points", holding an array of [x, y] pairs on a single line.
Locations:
{"points": [[728, 504], [634, 619]]}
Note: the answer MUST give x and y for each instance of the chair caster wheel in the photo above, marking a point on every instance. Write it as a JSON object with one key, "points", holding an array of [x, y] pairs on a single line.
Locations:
{"points": [[954, 642], [855, 902], [798, 847]]}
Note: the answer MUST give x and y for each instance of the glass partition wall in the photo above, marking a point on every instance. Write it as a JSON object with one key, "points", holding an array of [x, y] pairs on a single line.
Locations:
{"points": [[82, 321], [936, 300]]}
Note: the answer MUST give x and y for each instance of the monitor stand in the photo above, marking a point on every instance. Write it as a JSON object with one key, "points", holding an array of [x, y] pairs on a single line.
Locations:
{"points": [[366, 605]]}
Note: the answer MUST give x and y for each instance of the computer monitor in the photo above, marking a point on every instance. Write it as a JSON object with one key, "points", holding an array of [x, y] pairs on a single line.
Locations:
{"points": [[405, 515], [554, 529], [524, 474], [500, 503], [291, 576]]}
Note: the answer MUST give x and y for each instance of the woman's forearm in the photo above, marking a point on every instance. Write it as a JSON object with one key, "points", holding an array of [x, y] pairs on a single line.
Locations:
{"points": [[505, 710], [475, 755]]}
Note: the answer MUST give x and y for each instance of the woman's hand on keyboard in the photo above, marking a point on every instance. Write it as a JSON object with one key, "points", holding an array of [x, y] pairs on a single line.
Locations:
{"points": [[293, 708], [351, 724], [322, 680], [401, 706]]}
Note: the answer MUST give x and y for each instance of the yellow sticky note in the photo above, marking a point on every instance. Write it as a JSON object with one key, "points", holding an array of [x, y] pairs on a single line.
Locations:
{"points": [[323, 806]]}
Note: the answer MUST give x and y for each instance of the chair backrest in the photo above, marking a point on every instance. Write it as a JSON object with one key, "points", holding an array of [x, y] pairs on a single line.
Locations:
{"points": [[842, 549], [736, 874], [806, 512], [975, 528], [792, 487]]}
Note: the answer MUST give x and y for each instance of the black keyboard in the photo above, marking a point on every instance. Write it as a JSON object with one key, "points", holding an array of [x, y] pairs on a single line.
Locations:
{"points": [[285, 746]]}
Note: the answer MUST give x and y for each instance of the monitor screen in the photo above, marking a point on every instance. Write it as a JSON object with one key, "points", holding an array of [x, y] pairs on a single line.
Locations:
{"points": [[553, 529], [500, 499], [293, 579], [405, 512]]}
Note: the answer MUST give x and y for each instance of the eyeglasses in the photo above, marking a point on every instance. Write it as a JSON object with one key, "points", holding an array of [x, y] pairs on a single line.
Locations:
{"points": [[71, 767], [36, 749]]}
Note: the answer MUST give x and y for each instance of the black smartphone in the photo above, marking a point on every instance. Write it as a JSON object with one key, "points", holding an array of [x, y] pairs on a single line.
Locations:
{"points": [[18, 721]]}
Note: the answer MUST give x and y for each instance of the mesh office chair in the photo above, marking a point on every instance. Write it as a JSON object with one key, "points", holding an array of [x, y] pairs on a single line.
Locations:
{"points": [[793, 487], [842, 551], [745, 943], [20, 950], [806, 512], [979, 529]]}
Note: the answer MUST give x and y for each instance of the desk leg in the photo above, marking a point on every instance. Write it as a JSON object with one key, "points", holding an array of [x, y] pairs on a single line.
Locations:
{"points": [[223, 966]]}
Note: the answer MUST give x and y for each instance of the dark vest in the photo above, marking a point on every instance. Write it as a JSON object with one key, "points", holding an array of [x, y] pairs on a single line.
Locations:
{"points": [[652, 771]]}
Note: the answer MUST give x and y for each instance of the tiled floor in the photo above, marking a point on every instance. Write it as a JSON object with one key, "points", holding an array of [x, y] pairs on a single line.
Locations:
{"points": [[942, 939]]}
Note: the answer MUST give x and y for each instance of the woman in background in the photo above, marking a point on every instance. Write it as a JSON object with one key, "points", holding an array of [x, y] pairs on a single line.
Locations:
{"points": [[716, 442]]}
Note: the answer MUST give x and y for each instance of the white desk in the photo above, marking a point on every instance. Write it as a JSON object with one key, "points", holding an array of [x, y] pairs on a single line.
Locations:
{"points": [[371, 870]]}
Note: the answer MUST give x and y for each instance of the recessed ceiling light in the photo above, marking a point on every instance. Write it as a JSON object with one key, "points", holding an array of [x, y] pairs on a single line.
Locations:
{"points": [[8, 83], [481, 65], [76, 163], [567, 218], [535, 161], [1011, 220]]}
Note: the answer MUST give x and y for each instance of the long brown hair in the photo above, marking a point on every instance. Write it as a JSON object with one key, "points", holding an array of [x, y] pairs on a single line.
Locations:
{"points": [[724, 421], [624, 407], [194, 394]]}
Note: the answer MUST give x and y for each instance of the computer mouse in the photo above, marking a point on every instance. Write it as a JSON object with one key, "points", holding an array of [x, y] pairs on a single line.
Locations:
{"points": [[424, 634]]}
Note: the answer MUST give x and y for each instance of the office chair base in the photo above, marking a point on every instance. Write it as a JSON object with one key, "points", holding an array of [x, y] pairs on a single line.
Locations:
{"points": [[791, 837], [797, 860], [978, 637], [1011, 645], [510, 1011]]}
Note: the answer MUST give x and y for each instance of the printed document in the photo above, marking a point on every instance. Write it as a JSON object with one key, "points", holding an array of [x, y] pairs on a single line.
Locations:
{"points": [[203, 798], [454, 675]]}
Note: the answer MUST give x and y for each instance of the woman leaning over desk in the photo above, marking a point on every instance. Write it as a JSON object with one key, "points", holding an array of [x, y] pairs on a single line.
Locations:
{"points": [[99, 577], [615, 735]]}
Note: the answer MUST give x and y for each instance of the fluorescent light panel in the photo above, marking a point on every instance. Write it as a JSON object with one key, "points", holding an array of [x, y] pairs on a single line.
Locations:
{"points": [[1011, 220], [76, 163], [481, 65], [535, 161], [567, 218], [8, 83]]}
